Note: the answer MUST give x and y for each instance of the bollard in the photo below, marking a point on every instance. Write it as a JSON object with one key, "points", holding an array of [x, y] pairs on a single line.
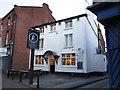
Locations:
{"points": [[38, 80], [12, 74], [20, 77]]}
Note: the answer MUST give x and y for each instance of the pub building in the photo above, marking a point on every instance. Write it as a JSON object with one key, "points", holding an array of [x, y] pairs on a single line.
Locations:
{"points": [[70, 45]]}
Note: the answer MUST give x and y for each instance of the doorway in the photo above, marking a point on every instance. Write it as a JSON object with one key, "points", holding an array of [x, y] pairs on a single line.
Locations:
{"points": [[51, 63]]}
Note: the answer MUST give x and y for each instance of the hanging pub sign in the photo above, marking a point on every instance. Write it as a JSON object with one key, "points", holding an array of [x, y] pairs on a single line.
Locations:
{"points": [[33, 39]]}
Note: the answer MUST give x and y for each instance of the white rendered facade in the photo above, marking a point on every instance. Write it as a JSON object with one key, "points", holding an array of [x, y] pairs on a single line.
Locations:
{"points": [[74, 45]]}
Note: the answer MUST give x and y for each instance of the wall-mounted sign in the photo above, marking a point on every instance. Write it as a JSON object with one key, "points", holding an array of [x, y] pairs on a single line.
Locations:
{"points": [[33, 39]]}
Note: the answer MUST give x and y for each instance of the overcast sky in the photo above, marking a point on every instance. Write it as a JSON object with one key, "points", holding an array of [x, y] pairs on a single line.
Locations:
{"points": [[61, 8]]}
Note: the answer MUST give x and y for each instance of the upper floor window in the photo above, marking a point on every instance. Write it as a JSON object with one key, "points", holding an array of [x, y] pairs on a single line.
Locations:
{"points": [[42, 30], [1, 26], [68, 40], [53, 27], [39, 60], [41, 43], [68, 24], [7, 33], [68, 59], [9, 21]]}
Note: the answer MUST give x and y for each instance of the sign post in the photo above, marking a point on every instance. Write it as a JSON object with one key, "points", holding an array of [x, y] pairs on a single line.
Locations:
{"points": [[32, 43]]}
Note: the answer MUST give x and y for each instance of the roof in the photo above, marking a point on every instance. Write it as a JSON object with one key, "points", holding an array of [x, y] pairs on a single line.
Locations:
{"points": [[106, 11], [82, 15]]}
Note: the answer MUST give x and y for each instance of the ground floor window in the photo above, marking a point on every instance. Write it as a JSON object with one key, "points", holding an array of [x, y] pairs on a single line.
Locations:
{"points": [[79, 65], [68, 59], [39, 60]]}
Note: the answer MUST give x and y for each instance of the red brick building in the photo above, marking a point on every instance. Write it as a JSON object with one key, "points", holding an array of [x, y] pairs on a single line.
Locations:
{"points": [[101, 41], [14, 29]]}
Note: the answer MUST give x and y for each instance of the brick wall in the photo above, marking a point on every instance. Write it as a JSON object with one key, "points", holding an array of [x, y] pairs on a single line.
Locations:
{"points": [[24, 17]]}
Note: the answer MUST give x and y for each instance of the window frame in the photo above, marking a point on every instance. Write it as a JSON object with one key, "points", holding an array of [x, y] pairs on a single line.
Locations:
{"points": [[66, 58], [40, 60], [7, 37], [68, 24], [53, 27], [41, 46], [68, 43]]}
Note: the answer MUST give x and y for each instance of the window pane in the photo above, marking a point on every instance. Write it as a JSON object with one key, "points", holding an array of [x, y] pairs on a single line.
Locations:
{"points": [[53, 27], [68, 59], [39, 60], [63, 61], [79, 65], [71, 24], [41, 42], [66, 40], [68, 24], [70, 40]]}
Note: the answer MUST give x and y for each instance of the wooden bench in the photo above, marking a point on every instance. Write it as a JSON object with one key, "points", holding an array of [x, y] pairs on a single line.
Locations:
{"points": [[22, 72]]}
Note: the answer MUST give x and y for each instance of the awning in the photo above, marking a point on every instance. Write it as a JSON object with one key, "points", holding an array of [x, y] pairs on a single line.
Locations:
{"points": [[47, 53]]}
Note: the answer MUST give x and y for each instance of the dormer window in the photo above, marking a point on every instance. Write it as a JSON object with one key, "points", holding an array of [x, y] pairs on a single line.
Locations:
{"points": [[53, 27], [68, 24]]}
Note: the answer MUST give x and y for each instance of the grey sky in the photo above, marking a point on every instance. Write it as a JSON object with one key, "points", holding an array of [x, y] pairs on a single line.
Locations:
{"points": [[61, 8]]}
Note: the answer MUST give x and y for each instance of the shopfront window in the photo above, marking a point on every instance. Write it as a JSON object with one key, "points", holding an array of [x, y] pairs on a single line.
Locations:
{"points": [[39, 60], [68, 59]]}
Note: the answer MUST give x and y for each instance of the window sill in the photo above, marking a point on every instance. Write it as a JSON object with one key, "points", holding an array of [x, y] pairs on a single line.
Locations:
{"points": [[39, 65], [68, 28], [40, 48], [41, 33], [68, 47], [69, 66], [52, 31]]}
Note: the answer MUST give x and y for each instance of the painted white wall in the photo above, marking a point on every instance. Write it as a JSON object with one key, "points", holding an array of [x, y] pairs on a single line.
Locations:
{"points": [[84, 41]]}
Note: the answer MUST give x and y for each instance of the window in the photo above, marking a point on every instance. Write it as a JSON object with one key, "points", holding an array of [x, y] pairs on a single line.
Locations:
{"points": [[41, 43], [68, 40], [42, 30], [79, 65], [68, 24], [68, 59], [53, 27], [7, 37], [1, 26], [39, 60], [9, 21]]}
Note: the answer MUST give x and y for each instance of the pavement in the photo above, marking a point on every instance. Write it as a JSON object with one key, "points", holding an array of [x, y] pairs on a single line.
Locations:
{"points": [[57, 80]]}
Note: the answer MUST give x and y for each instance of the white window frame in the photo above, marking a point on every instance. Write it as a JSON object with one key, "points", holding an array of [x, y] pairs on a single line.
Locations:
{"points": [[52, 27], [41, 43], [68, 42], [68, 24], [39, 57], [70, 59]]}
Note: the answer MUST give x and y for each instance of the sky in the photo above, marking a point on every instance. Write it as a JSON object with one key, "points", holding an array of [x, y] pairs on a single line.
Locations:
{"points": [[61, 8]]}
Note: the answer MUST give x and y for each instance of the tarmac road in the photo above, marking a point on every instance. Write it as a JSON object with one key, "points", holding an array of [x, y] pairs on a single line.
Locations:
{"points": [[8, 83], [100, 84]]}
